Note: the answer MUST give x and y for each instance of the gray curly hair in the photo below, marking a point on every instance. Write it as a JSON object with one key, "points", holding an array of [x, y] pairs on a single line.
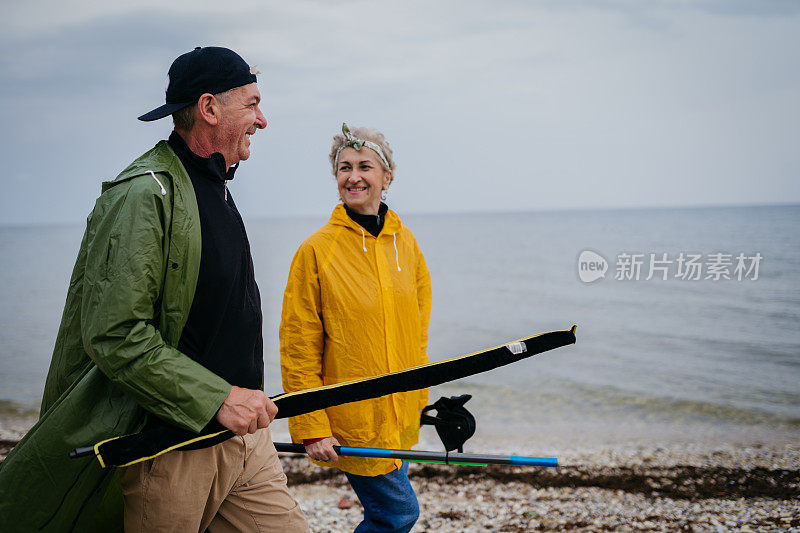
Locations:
{"points": [[368, 134]]}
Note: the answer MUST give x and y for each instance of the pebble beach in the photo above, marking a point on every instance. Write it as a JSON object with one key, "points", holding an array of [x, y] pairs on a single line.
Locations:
{"points": [[754, 487], [726, 489]]}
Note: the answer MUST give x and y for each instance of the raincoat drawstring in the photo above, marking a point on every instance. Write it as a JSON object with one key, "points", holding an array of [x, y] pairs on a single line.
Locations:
{"points": [[396, 256], [163, 190], [394, 241]]}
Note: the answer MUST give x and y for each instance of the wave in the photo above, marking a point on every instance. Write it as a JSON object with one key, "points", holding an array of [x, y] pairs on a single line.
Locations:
{"points": [[17, 410], [546, 400]]}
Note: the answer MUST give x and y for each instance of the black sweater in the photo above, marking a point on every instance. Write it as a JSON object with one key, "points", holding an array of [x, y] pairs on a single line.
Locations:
{"points": [[223, 331]]}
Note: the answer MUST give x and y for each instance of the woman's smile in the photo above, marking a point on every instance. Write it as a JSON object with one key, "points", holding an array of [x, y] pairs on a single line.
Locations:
{"points": [[360, 178]]}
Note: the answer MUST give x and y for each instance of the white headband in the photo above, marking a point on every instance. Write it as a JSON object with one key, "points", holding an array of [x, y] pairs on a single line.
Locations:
{"points": [[357, 143]]}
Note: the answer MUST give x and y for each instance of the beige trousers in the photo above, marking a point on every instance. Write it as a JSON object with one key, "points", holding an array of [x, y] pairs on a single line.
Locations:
{"points": [[237, 485]]}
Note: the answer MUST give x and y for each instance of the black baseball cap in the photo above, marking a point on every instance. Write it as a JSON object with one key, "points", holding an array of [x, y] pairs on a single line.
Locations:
{"points": [[210, 69]]}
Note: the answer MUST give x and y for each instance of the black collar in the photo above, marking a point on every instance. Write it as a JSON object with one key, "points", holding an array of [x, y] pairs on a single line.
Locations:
{"points": [[212, 167], [372, 223]]}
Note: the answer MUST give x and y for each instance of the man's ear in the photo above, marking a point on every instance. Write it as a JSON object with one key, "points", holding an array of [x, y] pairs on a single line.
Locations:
{"points": [[209, 109]]}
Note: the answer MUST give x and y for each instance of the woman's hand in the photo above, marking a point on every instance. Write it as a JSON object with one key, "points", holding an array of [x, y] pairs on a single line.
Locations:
{"points": [[322, 450]]}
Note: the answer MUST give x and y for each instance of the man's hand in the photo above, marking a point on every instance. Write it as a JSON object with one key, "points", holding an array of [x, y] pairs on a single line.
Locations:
{"points": [[322, 450], [246, 411]]}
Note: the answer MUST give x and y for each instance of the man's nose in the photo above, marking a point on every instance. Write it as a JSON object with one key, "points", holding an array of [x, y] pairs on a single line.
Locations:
{"points": [[261, 120]]}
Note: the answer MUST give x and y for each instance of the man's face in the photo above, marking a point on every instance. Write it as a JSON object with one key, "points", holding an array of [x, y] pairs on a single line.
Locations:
{"points": [[240, 118]]}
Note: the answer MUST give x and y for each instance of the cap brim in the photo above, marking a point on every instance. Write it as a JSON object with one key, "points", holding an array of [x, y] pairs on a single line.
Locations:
{"points": [[163, 111]]}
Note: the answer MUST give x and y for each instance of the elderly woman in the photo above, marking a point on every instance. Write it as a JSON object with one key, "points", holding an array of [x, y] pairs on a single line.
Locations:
{"points": [[356, 305]]}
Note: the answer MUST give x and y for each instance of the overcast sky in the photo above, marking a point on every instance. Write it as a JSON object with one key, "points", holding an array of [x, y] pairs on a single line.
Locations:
{"points": [[488, 105]]}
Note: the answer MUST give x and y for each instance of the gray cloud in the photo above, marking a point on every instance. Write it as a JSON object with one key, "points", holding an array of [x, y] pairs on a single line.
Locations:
{"points": [[508, 105]]}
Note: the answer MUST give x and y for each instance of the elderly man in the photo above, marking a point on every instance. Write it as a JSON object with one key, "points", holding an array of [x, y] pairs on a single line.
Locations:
{"points": [[162, 326]]}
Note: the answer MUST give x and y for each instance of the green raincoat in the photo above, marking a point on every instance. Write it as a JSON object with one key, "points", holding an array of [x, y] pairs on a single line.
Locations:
{"points": [[115, 360]]}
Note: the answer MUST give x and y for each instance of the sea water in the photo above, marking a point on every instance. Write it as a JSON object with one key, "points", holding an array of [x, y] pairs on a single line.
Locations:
{"points": [[656, 360]]}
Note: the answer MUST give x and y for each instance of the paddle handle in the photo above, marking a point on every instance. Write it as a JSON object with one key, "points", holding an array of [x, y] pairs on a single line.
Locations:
{"points": [[81, 451], [474, 459]]}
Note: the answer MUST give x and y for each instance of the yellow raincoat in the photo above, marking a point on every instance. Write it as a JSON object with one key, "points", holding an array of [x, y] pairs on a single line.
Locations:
{"points": [[357, 306]]}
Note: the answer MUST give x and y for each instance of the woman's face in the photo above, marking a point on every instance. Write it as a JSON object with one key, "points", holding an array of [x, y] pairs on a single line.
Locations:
{"points": [[361, 178]]}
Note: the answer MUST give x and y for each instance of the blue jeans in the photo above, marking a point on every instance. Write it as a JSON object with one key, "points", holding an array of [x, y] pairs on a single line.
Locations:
{"points": [[390, 504]]}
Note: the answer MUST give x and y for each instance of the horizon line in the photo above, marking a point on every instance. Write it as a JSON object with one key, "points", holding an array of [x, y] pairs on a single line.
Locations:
{"points": [[488, 211]]}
